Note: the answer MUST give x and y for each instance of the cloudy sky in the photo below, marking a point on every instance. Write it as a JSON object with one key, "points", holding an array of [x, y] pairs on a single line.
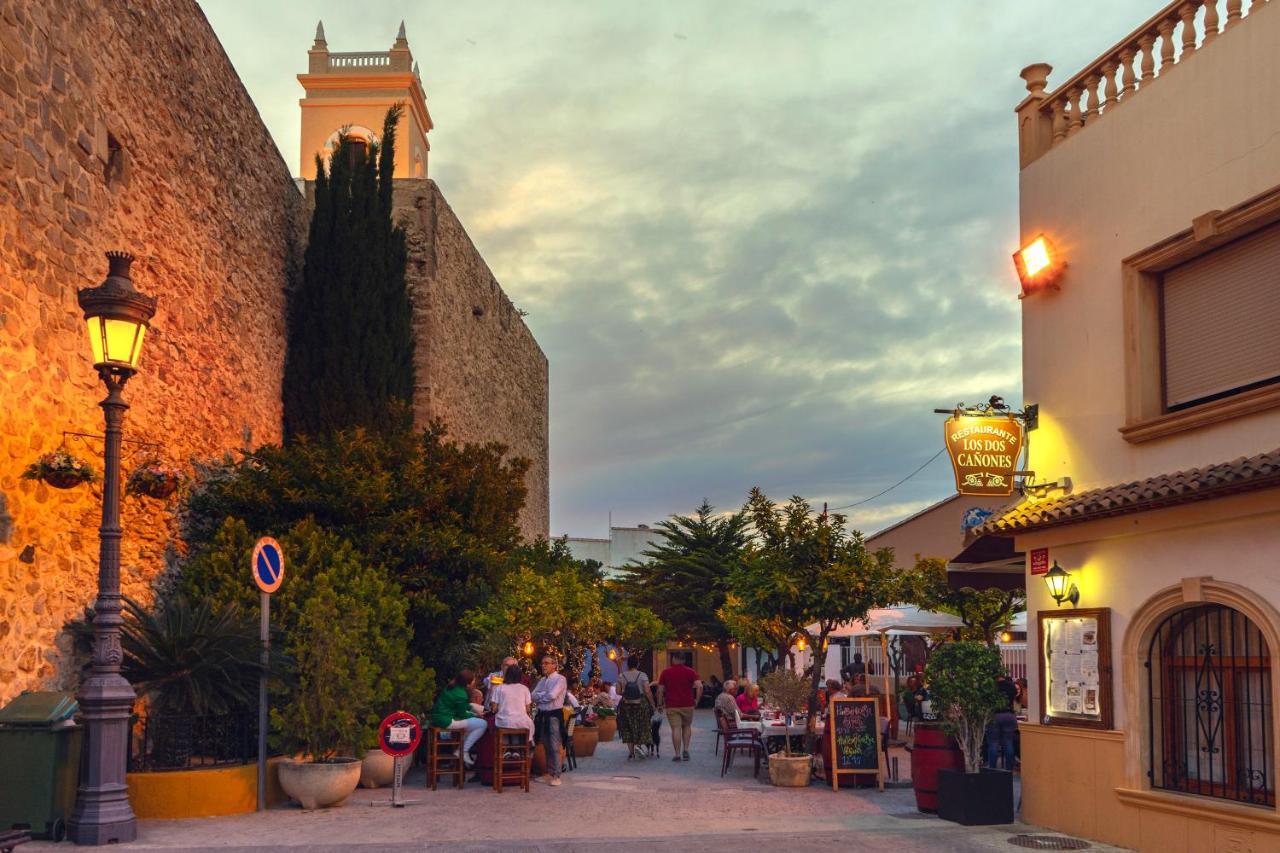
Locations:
{"points": [[758, 241]]}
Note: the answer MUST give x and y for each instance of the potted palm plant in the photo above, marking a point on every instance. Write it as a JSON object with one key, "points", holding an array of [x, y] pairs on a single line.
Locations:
{"points": [[962, 687], [787, 692]]}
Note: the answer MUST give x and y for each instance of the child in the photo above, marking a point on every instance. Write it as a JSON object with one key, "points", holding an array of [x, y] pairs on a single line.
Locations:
{"points": [[477, 701], [656, 723]]}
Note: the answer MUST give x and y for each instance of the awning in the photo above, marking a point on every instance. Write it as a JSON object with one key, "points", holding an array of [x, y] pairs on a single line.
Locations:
{"points": [[900, 619]]}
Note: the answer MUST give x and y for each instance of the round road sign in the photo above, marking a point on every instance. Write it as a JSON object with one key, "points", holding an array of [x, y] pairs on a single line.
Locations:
{"points": [[399, 734], [268, 564]]}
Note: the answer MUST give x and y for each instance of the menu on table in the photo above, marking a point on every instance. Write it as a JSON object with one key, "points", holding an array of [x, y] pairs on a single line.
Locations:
{"points": [[1076, 667]]}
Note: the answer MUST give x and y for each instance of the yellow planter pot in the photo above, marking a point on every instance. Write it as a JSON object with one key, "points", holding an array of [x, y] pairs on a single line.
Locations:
{"points": [[608, 728]]}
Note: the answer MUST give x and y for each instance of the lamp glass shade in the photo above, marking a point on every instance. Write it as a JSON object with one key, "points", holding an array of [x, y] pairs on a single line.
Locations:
{"points": [[528, 649], [801, 644], [116, 341], [1057, 580]]}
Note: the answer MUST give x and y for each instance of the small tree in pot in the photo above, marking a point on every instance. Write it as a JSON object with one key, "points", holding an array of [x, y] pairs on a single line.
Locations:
{"points": [[962, 685], [788, 693]]}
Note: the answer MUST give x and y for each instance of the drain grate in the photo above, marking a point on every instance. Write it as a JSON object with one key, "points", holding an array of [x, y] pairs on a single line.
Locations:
{"points": [[1048, 842]]}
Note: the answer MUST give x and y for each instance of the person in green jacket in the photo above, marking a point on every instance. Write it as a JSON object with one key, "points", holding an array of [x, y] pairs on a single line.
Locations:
{"points": [[453, 711]]}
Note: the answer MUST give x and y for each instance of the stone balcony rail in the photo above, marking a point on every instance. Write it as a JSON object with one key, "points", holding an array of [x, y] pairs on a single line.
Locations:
{"points": [[321, 61], [1169, 37], [361, 61]]}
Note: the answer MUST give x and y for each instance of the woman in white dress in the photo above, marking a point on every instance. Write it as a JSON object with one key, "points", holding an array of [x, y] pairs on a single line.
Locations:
{"points": [[511, 702]]}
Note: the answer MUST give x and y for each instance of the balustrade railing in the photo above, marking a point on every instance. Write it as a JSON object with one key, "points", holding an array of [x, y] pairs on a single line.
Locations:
{"points": [[1169, 37], [360, 61]]}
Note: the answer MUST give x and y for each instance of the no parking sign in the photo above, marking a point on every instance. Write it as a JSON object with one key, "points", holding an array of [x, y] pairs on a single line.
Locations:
{"points": [[268, 564], [399, 735]]}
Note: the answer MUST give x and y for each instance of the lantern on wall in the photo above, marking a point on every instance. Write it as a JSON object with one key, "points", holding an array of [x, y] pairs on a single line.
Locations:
{"points": [[1058, 580]]}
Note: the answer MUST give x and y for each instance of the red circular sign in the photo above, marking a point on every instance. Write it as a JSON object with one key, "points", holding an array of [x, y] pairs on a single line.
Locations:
{"points": [[399, 734]]}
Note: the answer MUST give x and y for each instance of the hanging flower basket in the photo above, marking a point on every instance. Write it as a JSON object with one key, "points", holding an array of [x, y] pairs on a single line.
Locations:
{"points": [[153, 479], [61, 470]]}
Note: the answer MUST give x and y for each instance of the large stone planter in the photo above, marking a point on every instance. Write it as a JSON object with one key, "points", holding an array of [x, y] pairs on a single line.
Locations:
{"points": [[377, 770], [790, 772], [608, 728], [585, 739], [320, 785]]}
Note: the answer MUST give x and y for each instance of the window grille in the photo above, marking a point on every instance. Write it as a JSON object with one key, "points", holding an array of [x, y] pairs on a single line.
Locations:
{"points": [[1209, 706]]}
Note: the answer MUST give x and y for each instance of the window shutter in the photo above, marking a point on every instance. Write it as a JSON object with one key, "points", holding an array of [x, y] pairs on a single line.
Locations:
{"points": [[1222, 320]]}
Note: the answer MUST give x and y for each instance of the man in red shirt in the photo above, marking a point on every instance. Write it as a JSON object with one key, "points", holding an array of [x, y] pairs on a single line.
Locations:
{"points": [[679, 689]]}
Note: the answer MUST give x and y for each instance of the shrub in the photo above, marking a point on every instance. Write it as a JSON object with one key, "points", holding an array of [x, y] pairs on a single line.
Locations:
{"points": [[787, 692], [962, 686]]}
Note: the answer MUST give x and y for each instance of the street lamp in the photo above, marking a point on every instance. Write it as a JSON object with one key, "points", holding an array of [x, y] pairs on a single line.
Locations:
{"points": [[116, 316]]}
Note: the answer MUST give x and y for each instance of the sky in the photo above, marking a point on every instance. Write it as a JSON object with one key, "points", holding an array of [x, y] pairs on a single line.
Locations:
{"points": [[759, 242]]}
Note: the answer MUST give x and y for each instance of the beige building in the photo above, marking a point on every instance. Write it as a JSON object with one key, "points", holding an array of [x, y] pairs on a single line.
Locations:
{"points": [[1154, 174], [352, 92]]}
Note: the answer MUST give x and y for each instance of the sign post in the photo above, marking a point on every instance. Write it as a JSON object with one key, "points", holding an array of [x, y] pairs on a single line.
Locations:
{"points": [[398, 736], [855, 738], [267, 567]]}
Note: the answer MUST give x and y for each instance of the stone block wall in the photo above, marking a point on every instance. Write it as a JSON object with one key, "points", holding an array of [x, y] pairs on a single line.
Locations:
{"points": [[124, 126], [478, 367]]}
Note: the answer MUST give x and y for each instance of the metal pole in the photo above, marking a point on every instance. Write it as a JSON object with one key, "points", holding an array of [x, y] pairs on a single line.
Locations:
{"points": [[265, 633], [397, 791], [102, 814]]}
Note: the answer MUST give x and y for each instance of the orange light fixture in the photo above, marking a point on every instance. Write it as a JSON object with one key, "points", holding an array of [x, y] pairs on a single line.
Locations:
{"points": [[802, 644], [1038, 265], [1006, 637], [613, 654], [528, 648]]}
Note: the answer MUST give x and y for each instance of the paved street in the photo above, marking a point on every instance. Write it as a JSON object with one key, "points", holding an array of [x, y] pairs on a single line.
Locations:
{"points": [[654, 804]]}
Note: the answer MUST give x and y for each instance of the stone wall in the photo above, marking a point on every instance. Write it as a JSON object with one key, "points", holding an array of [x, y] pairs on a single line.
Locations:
{"points": [[478, 366], [125, 126]]}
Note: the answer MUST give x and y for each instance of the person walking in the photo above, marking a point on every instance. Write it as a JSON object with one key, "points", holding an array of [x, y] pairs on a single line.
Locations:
{"points": [[635, 710], [680, 689], [548, 697]]}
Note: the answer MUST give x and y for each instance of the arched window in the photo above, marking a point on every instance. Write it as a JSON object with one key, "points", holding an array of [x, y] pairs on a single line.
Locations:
{"points": [[1209, 706]]}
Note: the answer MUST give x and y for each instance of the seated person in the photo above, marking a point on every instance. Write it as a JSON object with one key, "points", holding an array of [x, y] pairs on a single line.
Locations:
{"points": [[476, 699], [728, 707], [453, 711], [748, 702], [835, 690], [511, 702]]}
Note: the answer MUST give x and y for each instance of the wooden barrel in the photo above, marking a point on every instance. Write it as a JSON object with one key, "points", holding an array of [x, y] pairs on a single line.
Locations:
{"points": [[934, 750]]}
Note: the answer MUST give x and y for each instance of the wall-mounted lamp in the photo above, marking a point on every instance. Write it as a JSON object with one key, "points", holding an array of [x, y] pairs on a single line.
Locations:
{"points": [[1060, 586], [1039, 265]]}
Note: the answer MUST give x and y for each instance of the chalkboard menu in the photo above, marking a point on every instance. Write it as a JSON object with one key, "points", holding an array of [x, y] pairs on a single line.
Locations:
{"points": [[855, 737]]}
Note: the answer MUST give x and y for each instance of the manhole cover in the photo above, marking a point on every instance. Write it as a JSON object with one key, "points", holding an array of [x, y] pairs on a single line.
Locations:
{"points": [[1048, 842]]}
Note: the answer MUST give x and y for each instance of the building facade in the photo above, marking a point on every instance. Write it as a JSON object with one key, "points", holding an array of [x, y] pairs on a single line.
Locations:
{"points": [[1154, 175], [113, 135]]}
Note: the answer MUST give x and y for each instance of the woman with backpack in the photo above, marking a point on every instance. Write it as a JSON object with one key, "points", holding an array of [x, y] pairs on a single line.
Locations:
{"points": [[635, 709]]}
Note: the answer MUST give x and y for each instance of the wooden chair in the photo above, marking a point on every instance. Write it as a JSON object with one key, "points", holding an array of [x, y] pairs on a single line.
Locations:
{"points": [[512, 757], [570, 757], [719, 730], [11, 838], [739, 740], [444, 756]]}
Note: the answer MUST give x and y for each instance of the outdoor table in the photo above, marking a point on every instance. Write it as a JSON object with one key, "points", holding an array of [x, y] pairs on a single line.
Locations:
{"points": [[772, 734]]}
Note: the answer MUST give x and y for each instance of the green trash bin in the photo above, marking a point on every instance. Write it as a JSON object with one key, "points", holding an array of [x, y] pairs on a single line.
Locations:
{"points": [[40, 761]]}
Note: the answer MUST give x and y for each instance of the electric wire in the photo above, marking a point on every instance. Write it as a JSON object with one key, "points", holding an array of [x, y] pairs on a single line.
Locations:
{"points": [[894, 486]]}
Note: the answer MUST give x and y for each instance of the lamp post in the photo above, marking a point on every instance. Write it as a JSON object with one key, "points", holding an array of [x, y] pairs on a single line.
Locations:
{"points": [[117, 317]]}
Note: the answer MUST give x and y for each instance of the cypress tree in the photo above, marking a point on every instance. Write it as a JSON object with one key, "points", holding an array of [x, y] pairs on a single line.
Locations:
{"points": [[349, 357]]}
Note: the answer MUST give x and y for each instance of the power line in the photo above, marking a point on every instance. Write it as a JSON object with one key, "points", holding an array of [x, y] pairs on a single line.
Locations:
{"points": [[894, 486]]}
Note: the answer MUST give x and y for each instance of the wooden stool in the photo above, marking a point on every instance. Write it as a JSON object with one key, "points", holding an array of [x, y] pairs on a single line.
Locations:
{"points": [[512, 756], [444, 756]]}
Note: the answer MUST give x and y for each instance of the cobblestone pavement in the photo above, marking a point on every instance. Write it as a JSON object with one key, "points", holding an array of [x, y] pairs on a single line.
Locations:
{"points": [[649, 805]]}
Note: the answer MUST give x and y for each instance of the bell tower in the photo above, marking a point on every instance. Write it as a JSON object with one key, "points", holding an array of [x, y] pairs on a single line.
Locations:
{"points": [[355, 90]]}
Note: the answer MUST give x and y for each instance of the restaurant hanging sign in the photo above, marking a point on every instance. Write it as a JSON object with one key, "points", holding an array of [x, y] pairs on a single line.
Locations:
{"points": [[984, 452]]}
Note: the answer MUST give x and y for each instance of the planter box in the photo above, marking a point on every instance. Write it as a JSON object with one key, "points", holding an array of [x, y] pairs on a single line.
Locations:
{"points": [[790, 772], [975, 799], [608, 728]]}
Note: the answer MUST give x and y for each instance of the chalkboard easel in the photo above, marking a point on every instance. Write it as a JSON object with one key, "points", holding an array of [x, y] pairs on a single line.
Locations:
{"points": [[854, 725]]}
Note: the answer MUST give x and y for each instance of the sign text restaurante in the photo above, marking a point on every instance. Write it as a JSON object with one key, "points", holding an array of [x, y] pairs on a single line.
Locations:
{"points": [[984, 452]]}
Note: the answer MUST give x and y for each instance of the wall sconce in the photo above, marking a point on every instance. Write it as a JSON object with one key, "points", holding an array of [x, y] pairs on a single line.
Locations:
{"points": [[1038, 264], [1060, 586]]}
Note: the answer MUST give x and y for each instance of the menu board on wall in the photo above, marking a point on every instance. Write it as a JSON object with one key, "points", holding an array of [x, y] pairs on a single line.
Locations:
{"points": [[1075, 667]]}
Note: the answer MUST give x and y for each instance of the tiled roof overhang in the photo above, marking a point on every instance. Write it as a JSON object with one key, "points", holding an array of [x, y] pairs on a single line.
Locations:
{"points": [[1196, 484]]}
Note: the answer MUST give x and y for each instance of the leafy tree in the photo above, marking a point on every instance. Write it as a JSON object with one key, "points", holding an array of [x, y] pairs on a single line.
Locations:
{"points": [[438, 518], [768, 636], [340, 620], [805, 569], [562, 606], [962, 687], [350, 337], [686, 575], [787, 691], [983, 611]]}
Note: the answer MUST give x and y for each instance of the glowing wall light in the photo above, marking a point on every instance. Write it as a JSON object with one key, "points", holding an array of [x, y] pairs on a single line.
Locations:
{"points": [[1039, 265]]}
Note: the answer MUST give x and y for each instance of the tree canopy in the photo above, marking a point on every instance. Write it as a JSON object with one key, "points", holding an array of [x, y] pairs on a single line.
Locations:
{"points": [[983, 611], [349, 320], [686, 575]]}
